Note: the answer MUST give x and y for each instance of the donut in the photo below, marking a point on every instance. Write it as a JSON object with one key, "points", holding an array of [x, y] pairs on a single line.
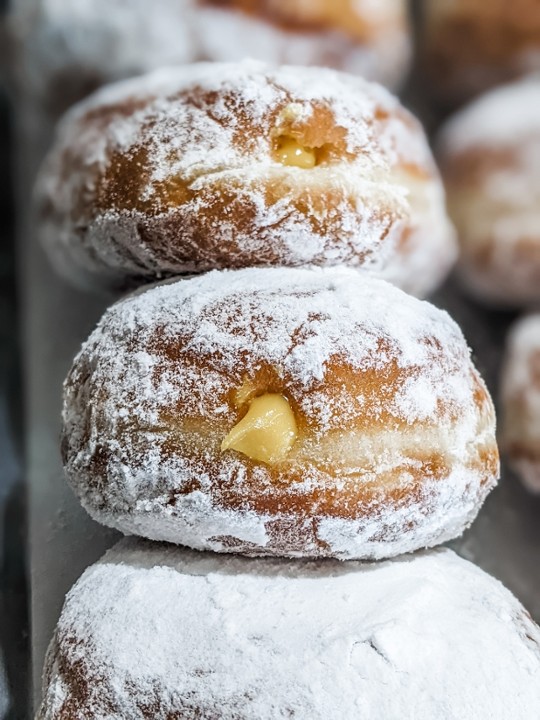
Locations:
{"points": [[520, 399], [490, 155], [153, 631], [288, 412], [238, 165], [470, 46], [63, 50], [371, 39]]}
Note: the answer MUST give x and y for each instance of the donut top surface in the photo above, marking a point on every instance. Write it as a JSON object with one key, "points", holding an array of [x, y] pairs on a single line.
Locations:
{"points": [[303, 333], [226, 115], [151, 630]]}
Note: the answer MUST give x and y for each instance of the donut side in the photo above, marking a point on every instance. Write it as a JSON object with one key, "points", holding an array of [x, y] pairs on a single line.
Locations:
{"points": [[156, 632], [520, 397], [394, 430], [194, 169]]}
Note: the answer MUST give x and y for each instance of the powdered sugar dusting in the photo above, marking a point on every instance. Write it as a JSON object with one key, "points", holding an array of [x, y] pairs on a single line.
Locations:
{"points": [[152, 631], [297, 324]]}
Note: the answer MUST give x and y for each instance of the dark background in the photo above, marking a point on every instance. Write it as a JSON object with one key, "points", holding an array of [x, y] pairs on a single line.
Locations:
{"points": [[13, 604]]}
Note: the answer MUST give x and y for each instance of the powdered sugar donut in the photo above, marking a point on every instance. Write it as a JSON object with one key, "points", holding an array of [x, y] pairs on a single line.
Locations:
{"points": [[64, 50], [225, 166], [280, 411], [521, 400], [490, 154], [472, 45], [157, 632], [371, 39]]}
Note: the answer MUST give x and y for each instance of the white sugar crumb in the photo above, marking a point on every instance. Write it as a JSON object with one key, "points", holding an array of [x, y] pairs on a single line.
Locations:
{"points": [[295, 322], [258, 640]]}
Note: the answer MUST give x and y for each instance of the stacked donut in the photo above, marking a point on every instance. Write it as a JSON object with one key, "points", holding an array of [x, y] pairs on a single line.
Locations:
{"points": [[279, 400]]}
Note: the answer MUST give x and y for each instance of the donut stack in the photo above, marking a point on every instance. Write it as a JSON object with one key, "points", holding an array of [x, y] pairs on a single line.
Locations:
{"points": [[280, 400]]}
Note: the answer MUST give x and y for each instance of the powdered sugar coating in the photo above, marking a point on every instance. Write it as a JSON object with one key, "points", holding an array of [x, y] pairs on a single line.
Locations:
{"points": [[175, 172], [490, 155], [156, 632], [396, 445], [520, 396]]}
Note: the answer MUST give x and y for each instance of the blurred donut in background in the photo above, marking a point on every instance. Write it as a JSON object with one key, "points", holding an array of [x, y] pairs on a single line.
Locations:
{"points": [[361, 36], [61, 50], [520, 397], [490, 160], [470, 46]]}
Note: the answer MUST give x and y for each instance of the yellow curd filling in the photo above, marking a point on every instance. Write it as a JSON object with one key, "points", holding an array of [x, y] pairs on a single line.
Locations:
{"points": [[267, 432]]}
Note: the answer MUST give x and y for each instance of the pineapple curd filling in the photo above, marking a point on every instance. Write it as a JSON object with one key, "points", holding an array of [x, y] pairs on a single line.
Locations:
{"points": [[267, 432]]}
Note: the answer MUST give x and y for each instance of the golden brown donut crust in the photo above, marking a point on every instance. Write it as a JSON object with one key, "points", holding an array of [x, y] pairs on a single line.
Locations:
{"points": [[361, 460]]}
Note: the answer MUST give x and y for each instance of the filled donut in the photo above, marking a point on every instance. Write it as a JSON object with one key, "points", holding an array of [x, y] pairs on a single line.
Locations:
{"points": [[63, 50], [280, 411], [153, 631], [472, 45], [520, 398], [371, 39], [235, 165], [490, 159]]}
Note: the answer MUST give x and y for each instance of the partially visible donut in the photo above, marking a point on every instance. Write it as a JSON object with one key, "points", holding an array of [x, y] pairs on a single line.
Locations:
{"points": [[235, 165], [520, 397], [471, 46], [371, 39], [490, 160], [62, 50], [152, 631], [283, 412]]}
